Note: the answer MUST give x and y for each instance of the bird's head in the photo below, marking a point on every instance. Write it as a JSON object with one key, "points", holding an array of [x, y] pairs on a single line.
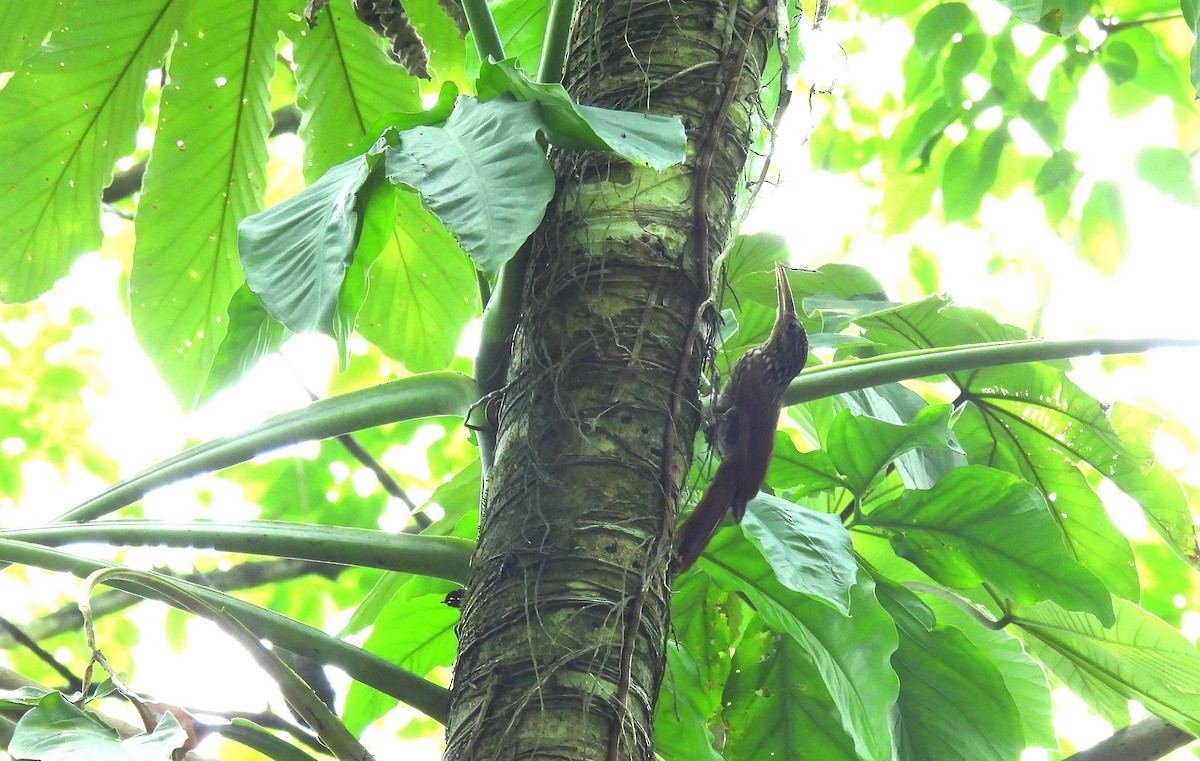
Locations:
{"points": [[788, 343]]}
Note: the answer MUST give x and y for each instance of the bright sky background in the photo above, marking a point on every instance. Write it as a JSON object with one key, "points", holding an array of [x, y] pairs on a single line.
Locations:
{"points": [[1154, 292]]}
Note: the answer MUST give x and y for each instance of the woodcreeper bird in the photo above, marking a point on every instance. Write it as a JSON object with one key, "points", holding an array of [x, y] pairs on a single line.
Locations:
{"points": [[742, 428]]}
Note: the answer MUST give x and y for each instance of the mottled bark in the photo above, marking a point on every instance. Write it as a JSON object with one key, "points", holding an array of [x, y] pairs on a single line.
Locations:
{"points": [[564, 619]]}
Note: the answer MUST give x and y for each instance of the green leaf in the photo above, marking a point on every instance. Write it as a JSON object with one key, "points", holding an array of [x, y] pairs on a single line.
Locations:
{"points": [[980, 525], [1103, 229], [1139, 657], [917, 135], [962, 59], [650, 139], [851, 653], [809, 551], [1059, 17], [416, 635], [22, 697], [252, 335], [1154, 486], [1023, 677], [345, 83], [68, 113], [906, 199], [860, 447], [1169, 171], [953, 703], [969, 172], [422, 291], [1031, 420], [484, 175], [296, 253], [25, 27], [1058, 173], [1119, 61], [58, 731], [207, 170], [681, 731], [805, 472], [1191, 13], [920, 467], [522, 27], [707, 622], [777, 706], [374, 233], [937, 28]]}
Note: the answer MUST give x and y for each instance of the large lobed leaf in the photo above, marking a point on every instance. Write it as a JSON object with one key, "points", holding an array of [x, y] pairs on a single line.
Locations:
{"points": [[1031, 420], [851, 653], [953, 703], [982, 526], [1139, 658]]}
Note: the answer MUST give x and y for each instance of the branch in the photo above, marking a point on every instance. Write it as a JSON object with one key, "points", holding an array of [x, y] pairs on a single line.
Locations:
{"points": [[1112, 27], [242, 576], [855, 374], [437, 394], [74, 683], [1149, 739]]}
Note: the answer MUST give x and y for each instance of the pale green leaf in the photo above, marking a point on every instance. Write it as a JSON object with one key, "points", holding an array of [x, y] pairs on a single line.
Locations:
{"points": [[58, 731], [251, 335], [809, 551], [851, 653], [1031, 420], [651, 139], [207, 171], [1140, 658], [860, 447], [1169, 171], [1103, 229], [777, 706], [980, 525], [953, 703], [296, 253], [415, 634], [345, 83], [422, 291], [484, 175], [69, 112], [681, 731], [1023, 677]]}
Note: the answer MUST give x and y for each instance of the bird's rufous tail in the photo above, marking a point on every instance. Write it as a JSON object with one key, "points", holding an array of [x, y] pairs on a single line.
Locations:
{"points": [[693, 534]]}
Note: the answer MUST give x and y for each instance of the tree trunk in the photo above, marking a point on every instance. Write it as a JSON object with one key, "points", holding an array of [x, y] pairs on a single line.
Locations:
{"points": [[561, 644]]}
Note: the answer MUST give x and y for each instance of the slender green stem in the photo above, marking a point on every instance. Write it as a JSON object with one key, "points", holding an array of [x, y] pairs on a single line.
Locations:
{"points": [[495, 342], [483, 27], [298, 693], [850, 375], [255, 737], [370, 669], [427, 395], [554, 44], [443, 557]]}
